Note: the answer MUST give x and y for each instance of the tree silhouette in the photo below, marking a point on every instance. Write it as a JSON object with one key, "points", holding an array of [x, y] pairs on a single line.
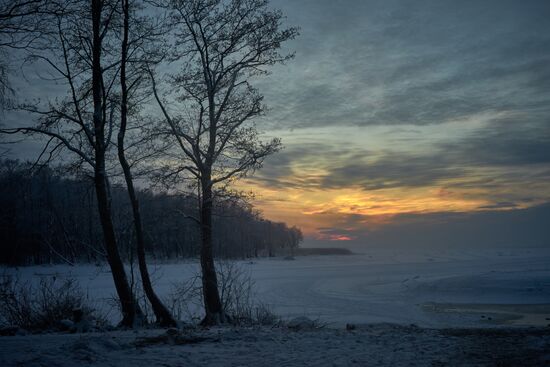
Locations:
{"points": [[221, 46], [78, 46]]}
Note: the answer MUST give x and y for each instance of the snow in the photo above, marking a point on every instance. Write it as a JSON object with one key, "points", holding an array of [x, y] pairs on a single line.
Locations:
{"points": [[451, 288], [417, 308], [375, 345]]}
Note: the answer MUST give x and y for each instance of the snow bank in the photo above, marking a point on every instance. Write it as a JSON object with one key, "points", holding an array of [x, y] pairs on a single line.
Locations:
{"points": [[376, 345]]}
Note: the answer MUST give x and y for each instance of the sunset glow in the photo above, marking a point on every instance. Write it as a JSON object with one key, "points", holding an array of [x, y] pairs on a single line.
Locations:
{"points": [[335, 192], [385, 122]]}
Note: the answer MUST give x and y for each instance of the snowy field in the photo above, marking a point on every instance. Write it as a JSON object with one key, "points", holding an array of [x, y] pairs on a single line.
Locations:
{"points": [[427, 288], [474, 308], [375, 345]]}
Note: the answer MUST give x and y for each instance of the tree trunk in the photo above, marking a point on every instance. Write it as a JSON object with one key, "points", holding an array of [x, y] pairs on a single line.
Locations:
{"points": [[127, 302], [211, 296], [164, 318]]}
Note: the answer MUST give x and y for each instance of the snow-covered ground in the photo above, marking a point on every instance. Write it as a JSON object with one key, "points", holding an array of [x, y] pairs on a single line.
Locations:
{"points": [[470, 306], [375, 345], [446, 288]]}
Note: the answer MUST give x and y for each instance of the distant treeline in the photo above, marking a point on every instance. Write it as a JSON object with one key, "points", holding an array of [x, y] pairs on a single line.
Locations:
{"points": [[46, 217], [322, 251]]}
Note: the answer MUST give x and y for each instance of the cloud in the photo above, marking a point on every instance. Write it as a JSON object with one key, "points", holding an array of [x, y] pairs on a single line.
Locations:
{"points": [[334, 234], [303, 165], [428, 62], [482, 229], [462, 87], [514, 140], [496, 154], [393, 170], [500, 205]]}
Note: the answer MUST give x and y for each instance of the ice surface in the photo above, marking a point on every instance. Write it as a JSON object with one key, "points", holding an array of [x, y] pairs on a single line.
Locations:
{"points": [[427, 287]]}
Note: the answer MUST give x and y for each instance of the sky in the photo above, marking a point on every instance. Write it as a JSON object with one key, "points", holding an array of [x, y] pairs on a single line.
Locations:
{"points": [[418, 122], [435, 113]]}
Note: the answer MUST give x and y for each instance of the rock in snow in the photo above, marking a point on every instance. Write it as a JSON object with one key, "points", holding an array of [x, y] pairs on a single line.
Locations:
{"points": [[66, 325], [301, 323]]}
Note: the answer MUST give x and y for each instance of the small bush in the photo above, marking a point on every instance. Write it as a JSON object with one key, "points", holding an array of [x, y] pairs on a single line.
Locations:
{"points": [[237, 294], [185, 300], [264, 315], [43, 306]]}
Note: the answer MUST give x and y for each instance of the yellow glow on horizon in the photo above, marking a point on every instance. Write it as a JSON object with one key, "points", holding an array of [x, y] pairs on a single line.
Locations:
{"points": [[316, 208], [312, 207], [302, 191]]}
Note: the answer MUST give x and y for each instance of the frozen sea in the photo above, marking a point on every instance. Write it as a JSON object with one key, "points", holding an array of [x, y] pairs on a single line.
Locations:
{"points": [[430, 288]]}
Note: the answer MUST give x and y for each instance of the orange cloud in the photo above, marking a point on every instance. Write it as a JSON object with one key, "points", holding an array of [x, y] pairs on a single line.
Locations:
{"points": [[339, 237], [314, 207]]}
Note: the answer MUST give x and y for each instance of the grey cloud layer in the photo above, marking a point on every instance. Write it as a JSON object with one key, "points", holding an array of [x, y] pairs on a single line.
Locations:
{"points": [[486, 229], [497, 158], [422, 62], [510, 141], [418, 63]]}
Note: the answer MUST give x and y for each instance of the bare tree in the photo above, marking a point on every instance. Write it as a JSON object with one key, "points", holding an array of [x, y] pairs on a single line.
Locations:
{"points": [[134, 52], [78, 50], [223, 45]]}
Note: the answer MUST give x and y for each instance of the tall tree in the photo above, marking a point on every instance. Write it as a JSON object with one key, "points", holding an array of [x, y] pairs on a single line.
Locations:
{"points": [[223, 45], [134, 52], [78, 49]]}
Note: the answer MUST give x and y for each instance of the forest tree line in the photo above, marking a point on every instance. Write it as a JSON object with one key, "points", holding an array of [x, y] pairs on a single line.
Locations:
{"points": [[46, 217]]}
